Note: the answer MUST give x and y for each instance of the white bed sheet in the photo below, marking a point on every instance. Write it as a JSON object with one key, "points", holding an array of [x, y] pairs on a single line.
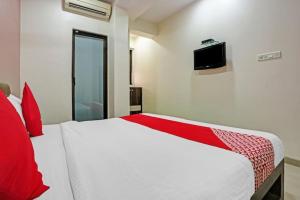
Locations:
{"points": [[116, 159], [50, 157]]}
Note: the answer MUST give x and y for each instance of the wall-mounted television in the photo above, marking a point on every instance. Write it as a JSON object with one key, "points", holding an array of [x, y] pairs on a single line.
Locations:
{"points": [[212, 56]]}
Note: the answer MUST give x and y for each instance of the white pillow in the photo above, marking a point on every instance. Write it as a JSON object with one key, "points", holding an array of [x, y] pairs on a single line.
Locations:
{"points": [[16, 102]]}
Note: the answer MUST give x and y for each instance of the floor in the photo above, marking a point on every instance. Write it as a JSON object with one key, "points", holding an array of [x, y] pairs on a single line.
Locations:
{"points": [[292, 182]]}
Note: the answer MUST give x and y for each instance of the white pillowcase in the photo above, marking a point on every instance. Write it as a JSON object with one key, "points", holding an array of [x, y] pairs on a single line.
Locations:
{"points": [[16, 102]]}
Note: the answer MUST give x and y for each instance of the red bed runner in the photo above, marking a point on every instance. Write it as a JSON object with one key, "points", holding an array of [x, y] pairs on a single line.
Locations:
{"points": [[257, 149]]}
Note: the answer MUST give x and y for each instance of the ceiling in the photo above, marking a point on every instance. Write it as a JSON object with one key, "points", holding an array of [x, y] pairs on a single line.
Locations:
{"points": [[151, 10]]}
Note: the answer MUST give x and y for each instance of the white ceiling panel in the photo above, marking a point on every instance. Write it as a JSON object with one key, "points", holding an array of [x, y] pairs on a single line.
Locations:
{"points": [[151, 10], [162, 9]]}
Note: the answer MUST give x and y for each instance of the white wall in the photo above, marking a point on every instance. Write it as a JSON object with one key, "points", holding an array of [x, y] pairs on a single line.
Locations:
{"points": [[46, 56], [247, 93], [121, 63]]}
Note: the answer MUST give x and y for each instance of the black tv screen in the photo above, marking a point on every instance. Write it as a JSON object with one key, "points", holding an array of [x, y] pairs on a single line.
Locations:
{"points": [[213, 56]]}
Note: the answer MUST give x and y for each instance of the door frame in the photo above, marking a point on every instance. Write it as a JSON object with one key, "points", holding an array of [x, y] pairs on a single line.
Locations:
{"points": [[105, 71]]}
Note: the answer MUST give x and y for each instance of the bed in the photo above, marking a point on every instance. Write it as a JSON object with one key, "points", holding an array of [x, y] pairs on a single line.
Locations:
{"points": [[122, 158], [116, 159]]}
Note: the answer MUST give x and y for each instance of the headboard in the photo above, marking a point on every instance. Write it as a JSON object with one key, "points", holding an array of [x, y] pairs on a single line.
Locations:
{"points": [[5, 88]]}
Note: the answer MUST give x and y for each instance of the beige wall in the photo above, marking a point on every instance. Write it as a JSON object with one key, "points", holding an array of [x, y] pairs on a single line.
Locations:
{"points": [[143, 28], [247, 93], [46, 56], [10, 44]]}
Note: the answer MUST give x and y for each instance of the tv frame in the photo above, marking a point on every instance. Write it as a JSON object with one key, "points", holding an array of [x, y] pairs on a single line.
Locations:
{"points": [[215, 65]]}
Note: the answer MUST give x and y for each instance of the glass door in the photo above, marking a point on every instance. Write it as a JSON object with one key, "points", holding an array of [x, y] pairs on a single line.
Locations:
{"points": [[89, 76]]}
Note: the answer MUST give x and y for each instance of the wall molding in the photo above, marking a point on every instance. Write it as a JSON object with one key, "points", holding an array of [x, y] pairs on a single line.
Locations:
{"points": [[292, 161]]}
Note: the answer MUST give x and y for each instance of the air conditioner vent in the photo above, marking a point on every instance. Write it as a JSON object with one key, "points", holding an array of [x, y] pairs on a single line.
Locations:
{"points": [[90, 8], [87, 9]]}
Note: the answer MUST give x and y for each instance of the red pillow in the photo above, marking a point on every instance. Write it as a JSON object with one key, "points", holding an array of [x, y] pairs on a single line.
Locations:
{"points": [[31, 113], [19, 176]]}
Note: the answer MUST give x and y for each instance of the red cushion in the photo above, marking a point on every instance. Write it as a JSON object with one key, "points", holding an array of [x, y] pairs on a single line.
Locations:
{"points": [[19, 176], [31, 113]]}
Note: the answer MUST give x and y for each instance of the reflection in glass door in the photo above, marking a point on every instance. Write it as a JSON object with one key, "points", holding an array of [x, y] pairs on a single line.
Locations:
{"points": [[89, 76]]}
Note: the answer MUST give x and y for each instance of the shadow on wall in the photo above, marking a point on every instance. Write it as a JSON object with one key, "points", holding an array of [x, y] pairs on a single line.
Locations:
{"points": [[220, 70]]}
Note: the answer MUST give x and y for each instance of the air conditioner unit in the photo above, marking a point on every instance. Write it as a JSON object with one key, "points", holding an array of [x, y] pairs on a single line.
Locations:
{"points": [[90, 8]]}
